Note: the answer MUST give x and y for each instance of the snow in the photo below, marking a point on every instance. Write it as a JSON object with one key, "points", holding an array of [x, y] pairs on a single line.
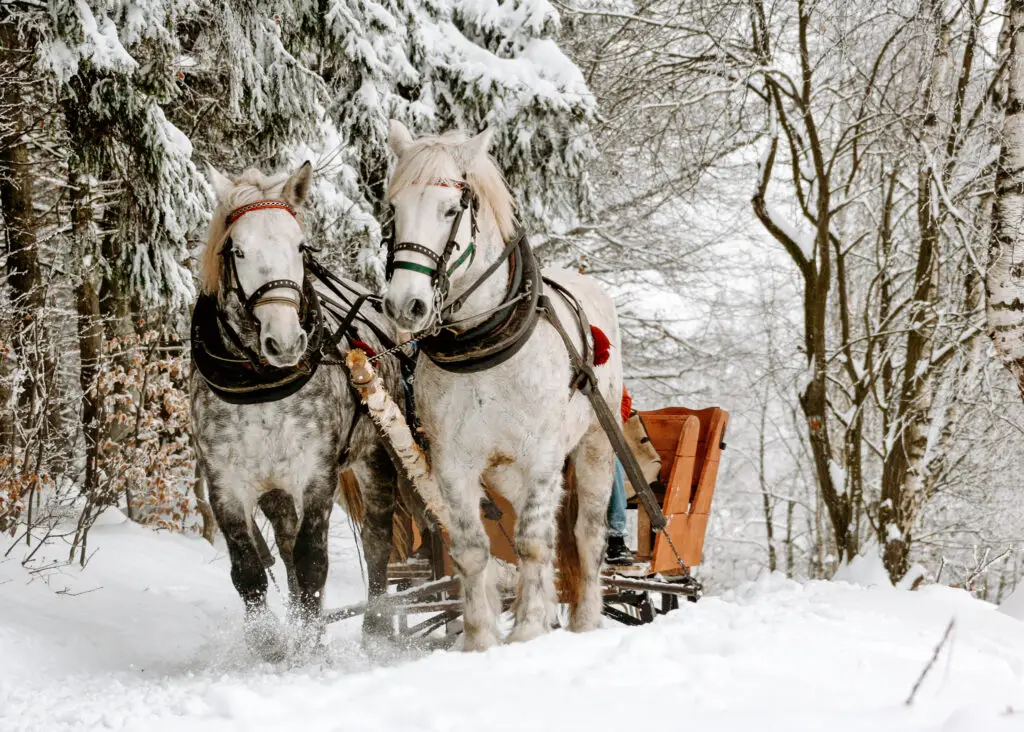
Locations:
{"points": [[805, 241], [1014, 604], [865, 570], [155, 646]]}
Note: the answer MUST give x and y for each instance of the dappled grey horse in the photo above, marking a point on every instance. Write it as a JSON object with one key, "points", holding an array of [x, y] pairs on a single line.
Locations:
{"points": [[273, 425]]}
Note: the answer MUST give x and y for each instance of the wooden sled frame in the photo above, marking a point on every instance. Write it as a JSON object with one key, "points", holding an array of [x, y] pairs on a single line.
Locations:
{"points": [[690, 443]]}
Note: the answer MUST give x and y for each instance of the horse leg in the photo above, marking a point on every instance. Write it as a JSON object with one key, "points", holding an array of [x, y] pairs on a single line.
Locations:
{"points": [[471, 554], [379, 483], [279, 508], [593, 461], [247, 574], [535, 546], [311, 553]]}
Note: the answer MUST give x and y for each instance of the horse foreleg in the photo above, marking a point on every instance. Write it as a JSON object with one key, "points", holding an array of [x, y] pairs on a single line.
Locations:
{"points": [[593, 462], [311, 552], [535, 546], [378, 481], [279, 508], [247, 574], [471, 554]]}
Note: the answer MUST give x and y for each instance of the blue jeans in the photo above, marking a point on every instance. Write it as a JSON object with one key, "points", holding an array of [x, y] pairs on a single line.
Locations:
{"points": [[617, 502]]}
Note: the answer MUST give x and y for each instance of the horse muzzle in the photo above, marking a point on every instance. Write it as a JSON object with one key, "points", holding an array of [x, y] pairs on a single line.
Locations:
{"points": [[408, 314], [282, 339]]}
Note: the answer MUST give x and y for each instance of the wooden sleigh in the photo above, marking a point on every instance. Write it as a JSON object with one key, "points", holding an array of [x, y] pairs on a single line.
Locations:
{"points": [[425, 594]]}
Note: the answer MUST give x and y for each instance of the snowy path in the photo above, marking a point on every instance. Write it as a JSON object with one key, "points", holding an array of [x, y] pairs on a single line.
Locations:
{"points": [[156, 649]]}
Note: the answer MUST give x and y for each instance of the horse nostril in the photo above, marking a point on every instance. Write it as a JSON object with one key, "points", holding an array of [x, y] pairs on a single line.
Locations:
{"points": [[271, 346], [300, 344], [389, 309], [417, 308]]}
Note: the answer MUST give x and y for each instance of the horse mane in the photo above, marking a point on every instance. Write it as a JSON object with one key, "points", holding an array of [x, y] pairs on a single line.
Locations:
{"points": [[437, 158], [250, 186]]}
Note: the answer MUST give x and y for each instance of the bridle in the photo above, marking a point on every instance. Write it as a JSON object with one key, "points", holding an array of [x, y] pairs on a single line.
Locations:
{"points": [[259, 296], [440, 273]]}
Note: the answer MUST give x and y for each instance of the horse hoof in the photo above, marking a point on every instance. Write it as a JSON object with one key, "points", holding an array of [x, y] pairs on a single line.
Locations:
{"points": [[524, 633], [377, 625], [479, 642], [265, 638]]}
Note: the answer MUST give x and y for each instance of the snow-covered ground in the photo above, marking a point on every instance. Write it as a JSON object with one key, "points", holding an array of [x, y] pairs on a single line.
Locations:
{"points": [[146, 638]]}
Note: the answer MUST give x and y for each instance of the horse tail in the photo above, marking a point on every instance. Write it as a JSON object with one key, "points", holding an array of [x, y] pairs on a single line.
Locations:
{"points": [[401, 541], [350, 498], [567, 554]]}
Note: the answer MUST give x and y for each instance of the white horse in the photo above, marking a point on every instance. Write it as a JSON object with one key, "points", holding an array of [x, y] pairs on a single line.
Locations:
{"points": [[513, 425]]}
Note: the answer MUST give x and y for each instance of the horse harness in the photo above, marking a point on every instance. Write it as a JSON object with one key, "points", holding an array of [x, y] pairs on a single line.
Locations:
{"points": [[237, 373], [509, 326]]}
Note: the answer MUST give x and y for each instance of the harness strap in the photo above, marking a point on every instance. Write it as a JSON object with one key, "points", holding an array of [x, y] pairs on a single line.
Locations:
{"points": [[236, 340], [608, 421], [331, 282], [454, 306], [583, 322], [346, 323], [357, 413]]}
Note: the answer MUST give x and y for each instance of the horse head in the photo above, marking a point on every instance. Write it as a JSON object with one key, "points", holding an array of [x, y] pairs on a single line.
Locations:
{"points": [[254, 258], [449, 200]]}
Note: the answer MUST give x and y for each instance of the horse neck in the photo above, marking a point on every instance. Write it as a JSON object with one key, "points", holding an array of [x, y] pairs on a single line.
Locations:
{"points": [[492, 291]]}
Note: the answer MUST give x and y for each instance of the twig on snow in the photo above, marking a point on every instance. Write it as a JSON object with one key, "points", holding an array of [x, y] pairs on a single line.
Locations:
{"points": [[934, 658]]}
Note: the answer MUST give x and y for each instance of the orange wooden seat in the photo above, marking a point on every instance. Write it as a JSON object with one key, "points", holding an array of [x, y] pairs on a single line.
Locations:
{"points": [[690, 444]]}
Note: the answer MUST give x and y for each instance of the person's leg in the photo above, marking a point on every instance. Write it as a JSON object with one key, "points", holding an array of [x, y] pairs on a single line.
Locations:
{"points": [[617, 503], [617, 552]]}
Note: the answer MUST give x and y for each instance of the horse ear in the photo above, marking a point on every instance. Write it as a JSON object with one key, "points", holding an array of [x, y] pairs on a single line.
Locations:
{"points": [[475, 148], [399, 137], [296, 189], [222, 185]]}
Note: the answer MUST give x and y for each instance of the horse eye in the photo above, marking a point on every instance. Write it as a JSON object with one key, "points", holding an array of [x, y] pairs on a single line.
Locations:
{"points": [[239, 254], [450, 213]]}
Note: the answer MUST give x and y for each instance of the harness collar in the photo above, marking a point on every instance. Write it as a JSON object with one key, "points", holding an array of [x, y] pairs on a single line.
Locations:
{"points": [[235, 372], [505, 331]]}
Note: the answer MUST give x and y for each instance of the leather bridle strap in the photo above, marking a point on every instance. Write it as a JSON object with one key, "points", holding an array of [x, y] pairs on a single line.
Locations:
{"points": [[259, 297], [263, 205], [441, 271], [454, 306]]}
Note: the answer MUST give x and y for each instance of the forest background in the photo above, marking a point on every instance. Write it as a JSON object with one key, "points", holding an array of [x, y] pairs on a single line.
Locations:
{"points": [[807, 212]]}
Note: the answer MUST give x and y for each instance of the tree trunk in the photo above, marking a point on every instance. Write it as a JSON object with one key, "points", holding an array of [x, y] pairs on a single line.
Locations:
{"points": [[903, 472], [90, 322], [23, 272], [769, 526], [1005, 279]]}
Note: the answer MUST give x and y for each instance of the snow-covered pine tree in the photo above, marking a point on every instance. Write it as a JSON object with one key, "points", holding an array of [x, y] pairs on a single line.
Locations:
{"points": [[113, 65], [318, 79]]}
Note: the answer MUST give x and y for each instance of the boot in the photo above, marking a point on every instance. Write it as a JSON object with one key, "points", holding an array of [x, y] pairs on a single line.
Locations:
{"points": [[618, 553]]}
